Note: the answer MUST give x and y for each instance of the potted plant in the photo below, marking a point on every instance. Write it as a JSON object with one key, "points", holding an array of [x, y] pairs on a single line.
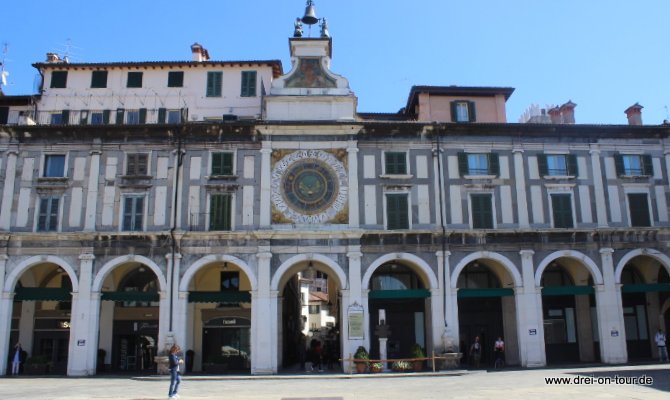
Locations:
{"points": [[376, 367], [37, 365], [402, 366], [360, 355], [416, 351]]}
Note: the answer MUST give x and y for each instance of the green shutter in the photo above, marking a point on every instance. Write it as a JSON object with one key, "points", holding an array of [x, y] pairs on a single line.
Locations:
{"points": [[454, 118], [471, 111], [83, 117], [162, 113], [639, 210], [463, 167], [248, 84], [648, 165], [482, 211], [143, 115], [396, 211], [542, 164], [105, 116], [220, 212], [618, 164], [65, 117], [562, 210], [119, 115], [494, 164], [214, 79], [573, 169]]}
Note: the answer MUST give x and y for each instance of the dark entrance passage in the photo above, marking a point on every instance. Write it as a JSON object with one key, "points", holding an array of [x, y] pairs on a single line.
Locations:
{"points": [[480, 317], [406, 320], [134, 345], [226, 345]]}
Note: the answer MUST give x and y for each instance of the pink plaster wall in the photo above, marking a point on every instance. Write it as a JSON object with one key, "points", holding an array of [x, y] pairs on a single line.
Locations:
{"points": [[438, 108]]}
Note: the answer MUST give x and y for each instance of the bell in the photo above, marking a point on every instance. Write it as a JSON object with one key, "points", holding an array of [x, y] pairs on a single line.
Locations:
{"points": [[310, 14]]}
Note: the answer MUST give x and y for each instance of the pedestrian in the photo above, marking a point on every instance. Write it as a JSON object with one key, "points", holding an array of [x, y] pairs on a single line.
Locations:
{"points": [[16, 359], [660, 343], [476, 352], [174, 361], [499, 351]]}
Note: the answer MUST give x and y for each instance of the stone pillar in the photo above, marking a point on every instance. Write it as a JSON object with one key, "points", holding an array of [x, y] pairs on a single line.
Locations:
{"points": [[106, 325], [264, 328], [520, 184], [81, 343], [27, 326], [266, 186], [6, 302], [450, 304], [8, 191], [584, 328], [354, 296], [166, 333], [352, 160], [611, 326], [180, 320], [530, 323], [437, 318], [598, 187], [92, 192]]}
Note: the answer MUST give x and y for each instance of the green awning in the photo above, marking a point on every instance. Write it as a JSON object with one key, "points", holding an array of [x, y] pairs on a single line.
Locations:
{"points": [[399, 294], [567, 290], [42, 294], [130, 296], [231, 298], [489, 292], [645, 287]]}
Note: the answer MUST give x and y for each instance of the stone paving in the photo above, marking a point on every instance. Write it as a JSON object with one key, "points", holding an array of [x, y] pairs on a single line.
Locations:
{"points": [[506, 384]]}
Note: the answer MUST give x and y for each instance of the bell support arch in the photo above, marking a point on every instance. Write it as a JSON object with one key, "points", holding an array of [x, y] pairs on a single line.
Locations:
{"points": [[575, 255], [655, 254]]}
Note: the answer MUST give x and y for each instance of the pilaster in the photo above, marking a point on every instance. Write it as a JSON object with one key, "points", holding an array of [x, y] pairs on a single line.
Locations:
{"points": [[8, 191], [611, 326], [598, 187], [92, 192], [352, 160], [520, 184], [264, 318], [530, 324], [266, 185], [83, 346]]}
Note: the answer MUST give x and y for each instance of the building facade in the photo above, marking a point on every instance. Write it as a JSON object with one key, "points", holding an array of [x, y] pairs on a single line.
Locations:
{"points": [[145, 204]]}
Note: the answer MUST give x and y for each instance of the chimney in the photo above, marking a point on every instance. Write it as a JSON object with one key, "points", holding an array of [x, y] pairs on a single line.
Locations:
{"points": [[555, 115], [52, 58], [568, 112], [634, 114], [199, 53]]}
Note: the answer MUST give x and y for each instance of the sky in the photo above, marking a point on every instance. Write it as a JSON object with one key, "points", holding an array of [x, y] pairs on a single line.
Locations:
{"points": [[604, 55]]}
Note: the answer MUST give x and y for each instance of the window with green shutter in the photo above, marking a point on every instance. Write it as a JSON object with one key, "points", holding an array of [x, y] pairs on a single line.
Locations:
{"points": [[214, 82], [397, 216], [248, 84], [133, 213], [58, 79], [47, 219], [633, 165], [134, 79], [137, 164], [176, 79], [222, 163], [98, 79], [482, 211], [638, 205], [557, 164], [220, 212], [162, 115], [395, 163], [463, 111], [478, 164], [561, 206]]}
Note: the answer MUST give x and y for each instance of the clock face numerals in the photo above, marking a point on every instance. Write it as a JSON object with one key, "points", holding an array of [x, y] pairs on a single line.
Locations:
{"points": [[309, 186]]}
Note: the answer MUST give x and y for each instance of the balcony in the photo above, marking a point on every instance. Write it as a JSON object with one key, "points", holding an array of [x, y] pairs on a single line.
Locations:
{"points": [[98, 117]]}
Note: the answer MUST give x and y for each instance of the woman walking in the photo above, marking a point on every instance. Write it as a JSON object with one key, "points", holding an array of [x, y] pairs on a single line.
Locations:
{"points": [[175, 379]]}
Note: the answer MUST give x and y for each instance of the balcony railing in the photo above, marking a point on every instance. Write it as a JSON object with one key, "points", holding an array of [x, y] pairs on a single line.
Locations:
{"points": [[98, 117]]}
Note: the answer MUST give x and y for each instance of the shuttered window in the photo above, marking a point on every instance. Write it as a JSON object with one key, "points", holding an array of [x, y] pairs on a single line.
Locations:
{"points": [[397, 211], [633, 165], [478, 164], [214, 81], [463, 111], [482, 211], [220, 212], [47, 220], [248, 84], [98, 79], [58, 79], [134, 80], [561, 206], [395, 163], [137, 164], [639, 209], [222, 163], [557, 164], [54, 166], [133, 213], [176, 79]]}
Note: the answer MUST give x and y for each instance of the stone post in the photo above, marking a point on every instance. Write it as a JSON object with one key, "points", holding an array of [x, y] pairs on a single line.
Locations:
{"points": [[83, 345], [264, 329], [354, 296], [611, 326], [530, 321]]}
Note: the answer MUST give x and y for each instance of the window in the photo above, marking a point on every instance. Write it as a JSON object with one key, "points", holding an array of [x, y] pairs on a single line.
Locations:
{"points": [[633, 165], [396, 211], [99, 79], [557, 164], [61, 118], [54, 166], [220, 212], [133, 212], [58, 79], [316, 309], [47, 220], [222, 164], [134, 80], [176, 79], [462, 111], [478, 164], [638, 206], [100, 117], [4, 115], [561, 206], [133, 117], [482, 211], [174, 116], [395, 163], [214, 80], [230, 281], [248, 84], [137, 164]]}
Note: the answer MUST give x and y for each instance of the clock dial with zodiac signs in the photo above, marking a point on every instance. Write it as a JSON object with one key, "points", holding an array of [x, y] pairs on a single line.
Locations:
{"points": [[309, 186]]}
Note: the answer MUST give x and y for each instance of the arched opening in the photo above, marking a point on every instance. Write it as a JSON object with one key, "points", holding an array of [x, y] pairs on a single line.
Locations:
{"points": [[486, 309], [219, 322], [569, 312], [41, 319], [129, 315], [310, 325], [398, 302], [644, 290]]}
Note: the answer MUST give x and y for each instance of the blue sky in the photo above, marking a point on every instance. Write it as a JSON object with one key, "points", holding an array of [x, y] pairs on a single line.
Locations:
{"points": [[604, 55]]}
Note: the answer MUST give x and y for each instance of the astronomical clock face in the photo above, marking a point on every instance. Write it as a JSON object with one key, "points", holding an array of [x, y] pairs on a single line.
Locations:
{"points": [[309, 186]]}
